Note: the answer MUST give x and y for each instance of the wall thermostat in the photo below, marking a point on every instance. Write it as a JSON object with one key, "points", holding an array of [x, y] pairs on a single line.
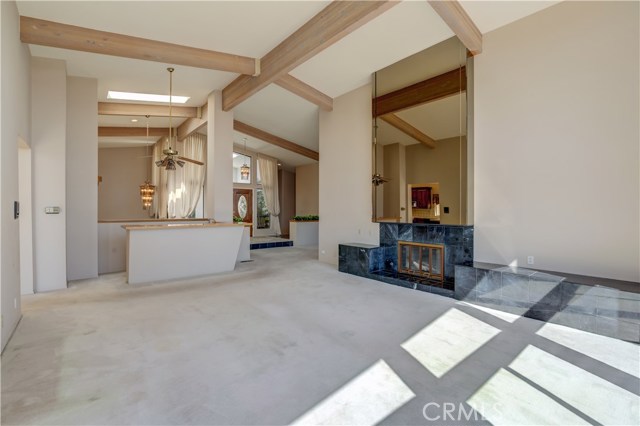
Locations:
{"points": [[52, 210]]}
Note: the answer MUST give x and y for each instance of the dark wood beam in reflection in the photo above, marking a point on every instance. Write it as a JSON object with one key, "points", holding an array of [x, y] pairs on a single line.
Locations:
{"points": [[438, 87], [408, 129], [132, 131]]}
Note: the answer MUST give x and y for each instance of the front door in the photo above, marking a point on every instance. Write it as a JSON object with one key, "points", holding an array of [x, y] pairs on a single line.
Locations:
{"points": [[243, 204]]}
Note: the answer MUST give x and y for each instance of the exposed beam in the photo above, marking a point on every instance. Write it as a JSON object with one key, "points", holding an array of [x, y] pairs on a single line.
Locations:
{"points": [[54, 34], [408, 129], [192, 125], [132, 131], [274, 140], [114, 108], [334, 22], [305, 91], [460, 23], [438, 87]]}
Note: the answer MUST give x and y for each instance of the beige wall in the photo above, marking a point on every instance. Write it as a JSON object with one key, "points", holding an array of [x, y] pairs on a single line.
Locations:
{"points": [[394, 168], [556, 141], [307, 189], [345, 174], [123, 171], [287, 194], [82, 169], [446, 165]]}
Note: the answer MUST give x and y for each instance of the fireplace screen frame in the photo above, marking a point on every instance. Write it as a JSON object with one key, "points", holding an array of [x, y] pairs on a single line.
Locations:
{"points": [[421, 247]]}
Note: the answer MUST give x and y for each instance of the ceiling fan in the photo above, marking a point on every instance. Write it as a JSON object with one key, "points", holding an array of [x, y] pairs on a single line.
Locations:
{"points": [[171, 155]]}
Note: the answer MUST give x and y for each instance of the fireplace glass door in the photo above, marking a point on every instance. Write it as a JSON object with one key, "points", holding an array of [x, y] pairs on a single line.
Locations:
{"points": [[424, 260]]}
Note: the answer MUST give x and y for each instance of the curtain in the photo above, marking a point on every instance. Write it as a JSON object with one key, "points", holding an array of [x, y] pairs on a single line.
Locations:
{"points": [[190, 179], [268, 169], [178, 191]]}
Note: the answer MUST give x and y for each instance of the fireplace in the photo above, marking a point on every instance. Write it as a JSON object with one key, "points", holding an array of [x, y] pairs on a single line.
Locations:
{"points": [[421, 259]]}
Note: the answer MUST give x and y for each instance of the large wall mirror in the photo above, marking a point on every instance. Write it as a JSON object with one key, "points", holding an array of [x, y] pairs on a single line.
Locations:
{"points": [[420, 150]]}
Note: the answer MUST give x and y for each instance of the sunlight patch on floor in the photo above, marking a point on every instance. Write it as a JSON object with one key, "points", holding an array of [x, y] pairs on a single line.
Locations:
{"points": [[365, 400], [618, 354], [597, 398], [448, 340], [507, 400], [505, 316]]}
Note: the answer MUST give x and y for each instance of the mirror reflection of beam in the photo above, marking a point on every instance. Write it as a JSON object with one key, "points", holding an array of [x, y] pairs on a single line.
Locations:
{"points": [[408, 129], [106, 131], [441, 86]]}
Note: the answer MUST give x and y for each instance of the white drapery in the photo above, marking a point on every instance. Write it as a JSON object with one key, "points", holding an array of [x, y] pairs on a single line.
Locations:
{"points": [[268, 169], [179, 190]]}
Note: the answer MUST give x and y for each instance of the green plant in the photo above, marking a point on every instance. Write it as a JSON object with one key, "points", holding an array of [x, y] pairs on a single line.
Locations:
{"points": [[310, 217], [237, 219]]}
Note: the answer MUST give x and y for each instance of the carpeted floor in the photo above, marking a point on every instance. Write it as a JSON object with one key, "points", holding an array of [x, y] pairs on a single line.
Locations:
{"points": [[287, 339]]}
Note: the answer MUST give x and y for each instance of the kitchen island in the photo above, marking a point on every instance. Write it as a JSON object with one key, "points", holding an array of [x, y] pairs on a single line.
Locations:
{"points": [[160, 252]]}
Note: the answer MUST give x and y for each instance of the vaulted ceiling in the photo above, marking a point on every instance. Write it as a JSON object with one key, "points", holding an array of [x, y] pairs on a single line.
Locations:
{"points": [[251, 29]]}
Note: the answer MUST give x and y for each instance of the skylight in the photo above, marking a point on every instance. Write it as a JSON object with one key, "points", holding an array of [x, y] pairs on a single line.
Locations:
{"points": [[145, 97]]}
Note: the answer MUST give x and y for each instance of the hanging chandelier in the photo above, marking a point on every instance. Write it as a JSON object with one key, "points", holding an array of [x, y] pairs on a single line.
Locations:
{"points": [[146, 194], [244, 169]]}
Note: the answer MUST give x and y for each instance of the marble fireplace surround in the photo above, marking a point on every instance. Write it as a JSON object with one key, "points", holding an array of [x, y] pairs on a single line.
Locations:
{"points": [[381, 262], [597, 305]]}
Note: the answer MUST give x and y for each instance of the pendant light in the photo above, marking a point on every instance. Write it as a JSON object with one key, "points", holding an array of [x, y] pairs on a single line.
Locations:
{"points": [[244, 169], [146, 189]]}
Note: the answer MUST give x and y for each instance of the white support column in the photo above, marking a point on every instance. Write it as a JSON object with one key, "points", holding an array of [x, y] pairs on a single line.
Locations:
{"points": [[218, 197]]}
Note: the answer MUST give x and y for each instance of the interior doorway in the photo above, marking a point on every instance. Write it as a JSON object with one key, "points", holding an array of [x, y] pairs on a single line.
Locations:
{"points": [[25, 217]]}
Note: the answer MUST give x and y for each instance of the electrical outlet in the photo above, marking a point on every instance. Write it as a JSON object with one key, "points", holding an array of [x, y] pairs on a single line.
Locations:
{"points": [[530, 260]]}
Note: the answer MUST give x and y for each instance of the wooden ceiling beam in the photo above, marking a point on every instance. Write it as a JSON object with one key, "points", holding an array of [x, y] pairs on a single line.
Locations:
{"points": [[408, 129], [454, 15], [192, 125], [275, 140], [132, 131], [334, 22], [438, 87], [305, 91], [114, 108], [71, 37]]}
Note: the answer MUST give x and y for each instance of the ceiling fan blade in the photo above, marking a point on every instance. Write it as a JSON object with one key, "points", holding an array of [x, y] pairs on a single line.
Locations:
{"points": [[199, 163]]}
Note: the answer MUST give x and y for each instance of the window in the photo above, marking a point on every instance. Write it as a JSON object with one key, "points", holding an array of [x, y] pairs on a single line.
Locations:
{"points": [[240, 160], [262, 213]]}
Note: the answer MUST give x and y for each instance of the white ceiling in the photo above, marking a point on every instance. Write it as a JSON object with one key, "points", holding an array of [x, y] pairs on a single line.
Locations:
{"points": [[253, 28]]}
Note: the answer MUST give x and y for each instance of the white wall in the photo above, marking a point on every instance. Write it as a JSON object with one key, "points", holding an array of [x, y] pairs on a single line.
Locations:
{"points": [[48, 135], [218, 187], [26, 218], [345, 174], [14, 124], [556, 141], [82, 172]]}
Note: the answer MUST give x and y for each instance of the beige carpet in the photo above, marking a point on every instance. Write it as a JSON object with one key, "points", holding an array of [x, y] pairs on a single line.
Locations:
{"points": [[286, 338]]}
